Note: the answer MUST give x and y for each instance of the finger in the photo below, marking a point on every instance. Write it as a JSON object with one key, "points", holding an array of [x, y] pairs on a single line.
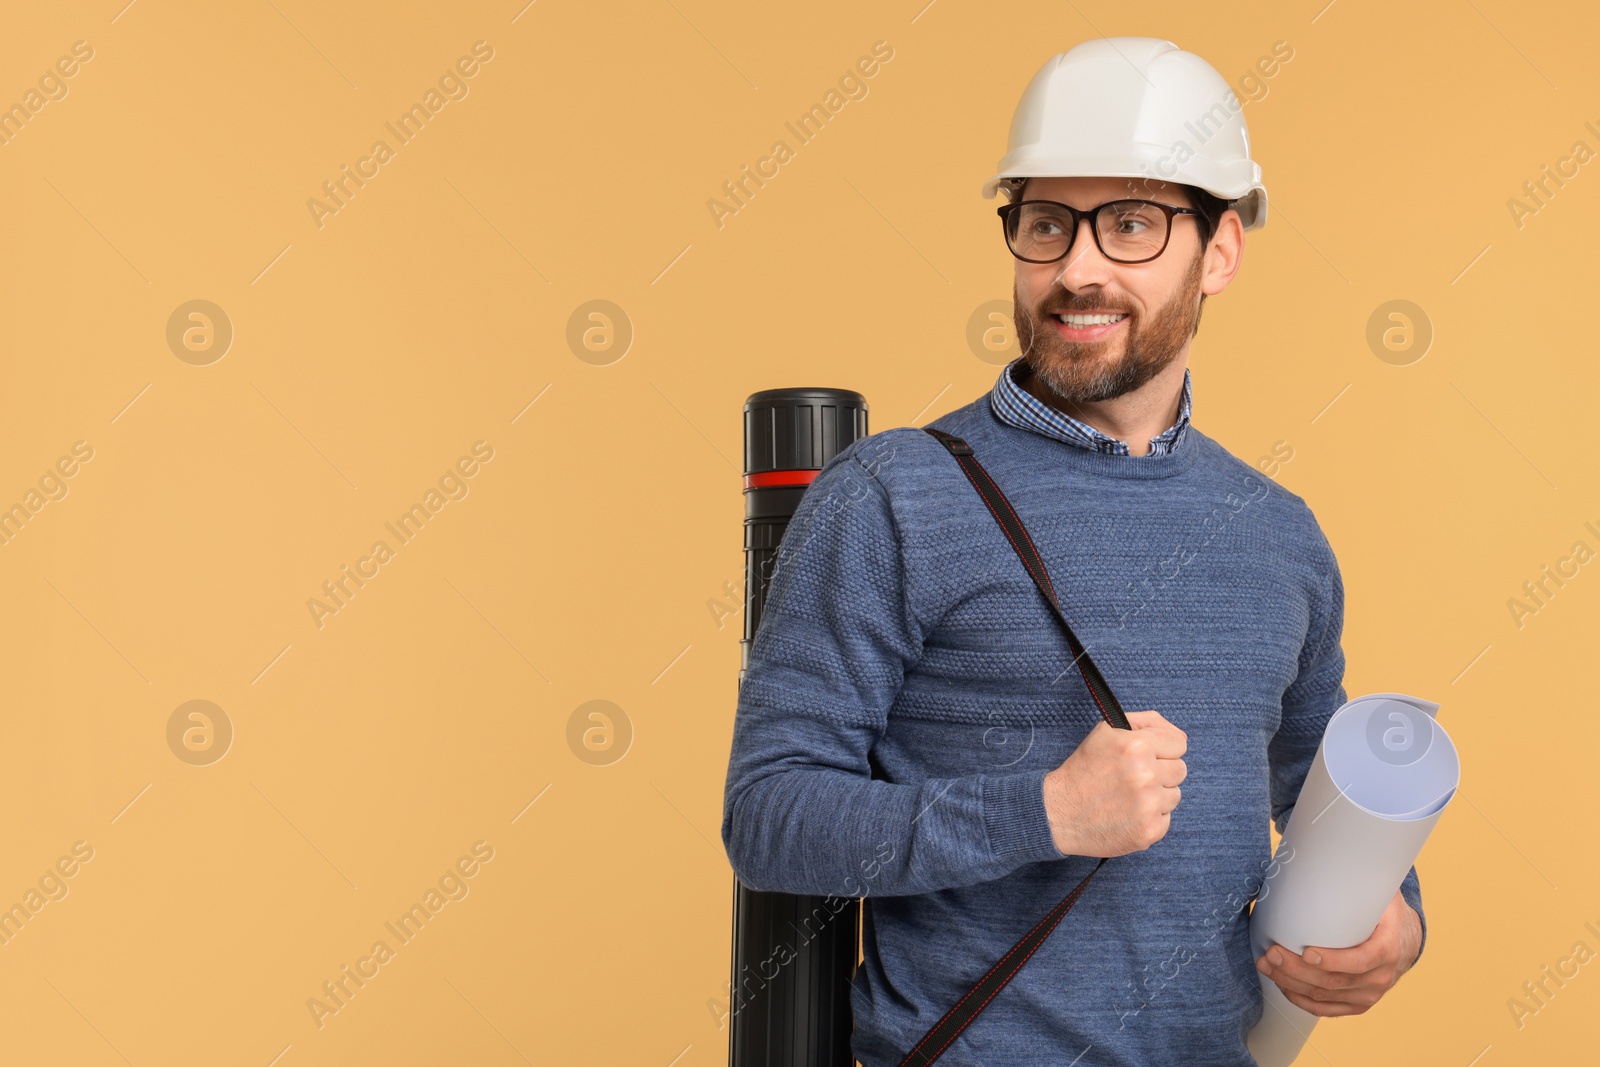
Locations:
{"points": [[1283, 965], [1291, 984], [1357, 959], [1151, 720], [1325, 1008], [1171, 771], [1308, 984], [1168, 742]]}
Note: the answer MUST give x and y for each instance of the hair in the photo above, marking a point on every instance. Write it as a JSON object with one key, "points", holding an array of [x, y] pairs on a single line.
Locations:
{"points": [[1210, 207]]}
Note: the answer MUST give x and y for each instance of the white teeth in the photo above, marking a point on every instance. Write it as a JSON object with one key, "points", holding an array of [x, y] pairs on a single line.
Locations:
{"points": [[1090, 320]]}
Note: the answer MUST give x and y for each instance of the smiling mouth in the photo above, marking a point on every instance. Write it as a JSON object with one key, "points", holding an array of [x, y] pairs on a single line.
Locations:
{"points": [[1081, 326], [1079, 320]]}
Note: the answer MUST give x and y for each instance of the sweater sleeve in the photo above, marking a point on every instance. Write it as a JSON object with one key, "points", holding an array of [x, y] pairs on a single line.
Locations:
{"points": [[802, 811], [1310, 701]]}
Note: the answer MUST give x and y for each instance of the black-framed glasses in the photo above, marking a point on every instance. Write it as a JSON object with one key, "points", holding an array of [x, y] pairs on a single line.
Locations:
{"points": [[1133, 231]]}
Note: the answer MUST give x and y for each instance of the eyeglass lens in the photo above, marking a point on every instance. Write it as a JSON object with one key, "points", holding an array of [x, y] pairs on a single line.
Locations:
{"points": [[1129, 230]]}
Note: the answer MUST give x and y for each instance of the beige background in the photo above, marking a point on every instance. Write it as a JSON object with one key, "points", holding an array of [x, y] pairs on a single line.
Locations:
{"points": [[586, 560]]}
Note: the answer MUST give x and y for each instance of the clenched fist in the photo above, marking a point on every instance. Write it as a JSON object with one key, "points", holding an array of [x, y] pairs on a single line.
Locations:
{"points": [[1116, 792]]}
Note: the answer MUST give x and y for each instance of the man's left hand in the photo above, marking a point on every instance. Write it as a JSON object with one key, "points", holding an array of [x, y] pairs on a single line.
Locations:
{"points": [[1348, 981]]}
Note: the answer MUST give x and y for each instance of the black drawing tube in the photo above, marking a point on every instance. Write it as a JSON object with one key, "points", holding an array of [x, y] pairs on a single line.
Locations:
{"points": [[793, 956]]}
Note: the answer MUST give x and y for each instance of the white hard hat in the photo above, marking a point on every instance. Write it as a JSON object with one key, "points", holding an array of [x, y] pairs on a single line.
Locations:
{"points": [[1135, 107]]}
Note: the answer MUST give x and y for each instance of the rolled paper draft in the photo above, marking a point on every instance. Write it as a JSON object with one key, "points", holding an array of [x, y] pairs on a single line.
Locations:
{"points": [[1382, 776]]}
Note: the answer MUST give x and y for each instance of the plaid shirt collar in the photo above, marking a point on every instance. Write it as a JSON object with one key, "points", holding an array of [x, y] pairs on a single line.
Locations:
{"points": [[1015, 405]]}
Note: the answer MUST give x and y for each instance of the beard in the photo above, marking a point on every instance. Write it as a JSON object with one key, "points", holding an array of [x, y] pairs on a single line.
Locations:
{"points": [[1077, 371]]}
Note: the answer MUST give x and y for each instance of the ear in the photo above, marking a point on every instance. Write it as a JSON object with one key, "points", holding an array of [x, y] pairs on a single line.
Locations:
{"points": [[1224, 254]]}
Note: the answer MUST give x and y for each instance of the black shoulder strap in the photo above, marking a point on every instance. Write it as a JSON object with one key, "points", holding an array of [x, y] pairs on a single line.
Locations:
{"points": [[937, 1039], [1017, 534]]}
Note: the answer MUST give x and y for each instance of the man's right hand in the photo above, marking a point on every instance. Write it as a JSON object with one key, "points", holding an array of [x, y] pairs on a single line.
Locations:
{"points": [[1116, 792]]}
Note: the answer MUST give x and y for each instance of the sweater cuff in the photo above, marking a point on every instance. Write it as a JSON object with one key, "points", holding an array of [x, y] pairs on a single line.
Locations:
{"points": [[1015, 821], [1411, 893]]}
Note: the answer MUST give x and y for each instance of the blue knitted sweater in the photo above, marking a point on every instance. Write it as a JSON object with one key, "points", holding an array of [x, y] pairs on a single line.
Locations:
{"points": [[908, 688]]}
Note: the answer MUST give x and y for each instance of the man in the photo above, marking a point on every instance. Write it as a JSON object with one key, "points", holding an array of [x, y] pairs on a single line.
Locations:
{"points": [[912, 728]]}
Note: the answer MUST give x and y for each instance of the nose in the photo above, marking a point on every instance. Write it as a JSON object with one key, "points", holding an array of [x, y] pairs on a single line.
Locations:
{"points": [[1084, 265]]}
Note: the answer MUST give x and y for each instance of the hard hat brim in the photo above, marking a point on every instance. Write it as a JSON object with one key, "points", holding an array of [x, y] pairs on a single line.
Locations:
{"points": [[1250, 203]]}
